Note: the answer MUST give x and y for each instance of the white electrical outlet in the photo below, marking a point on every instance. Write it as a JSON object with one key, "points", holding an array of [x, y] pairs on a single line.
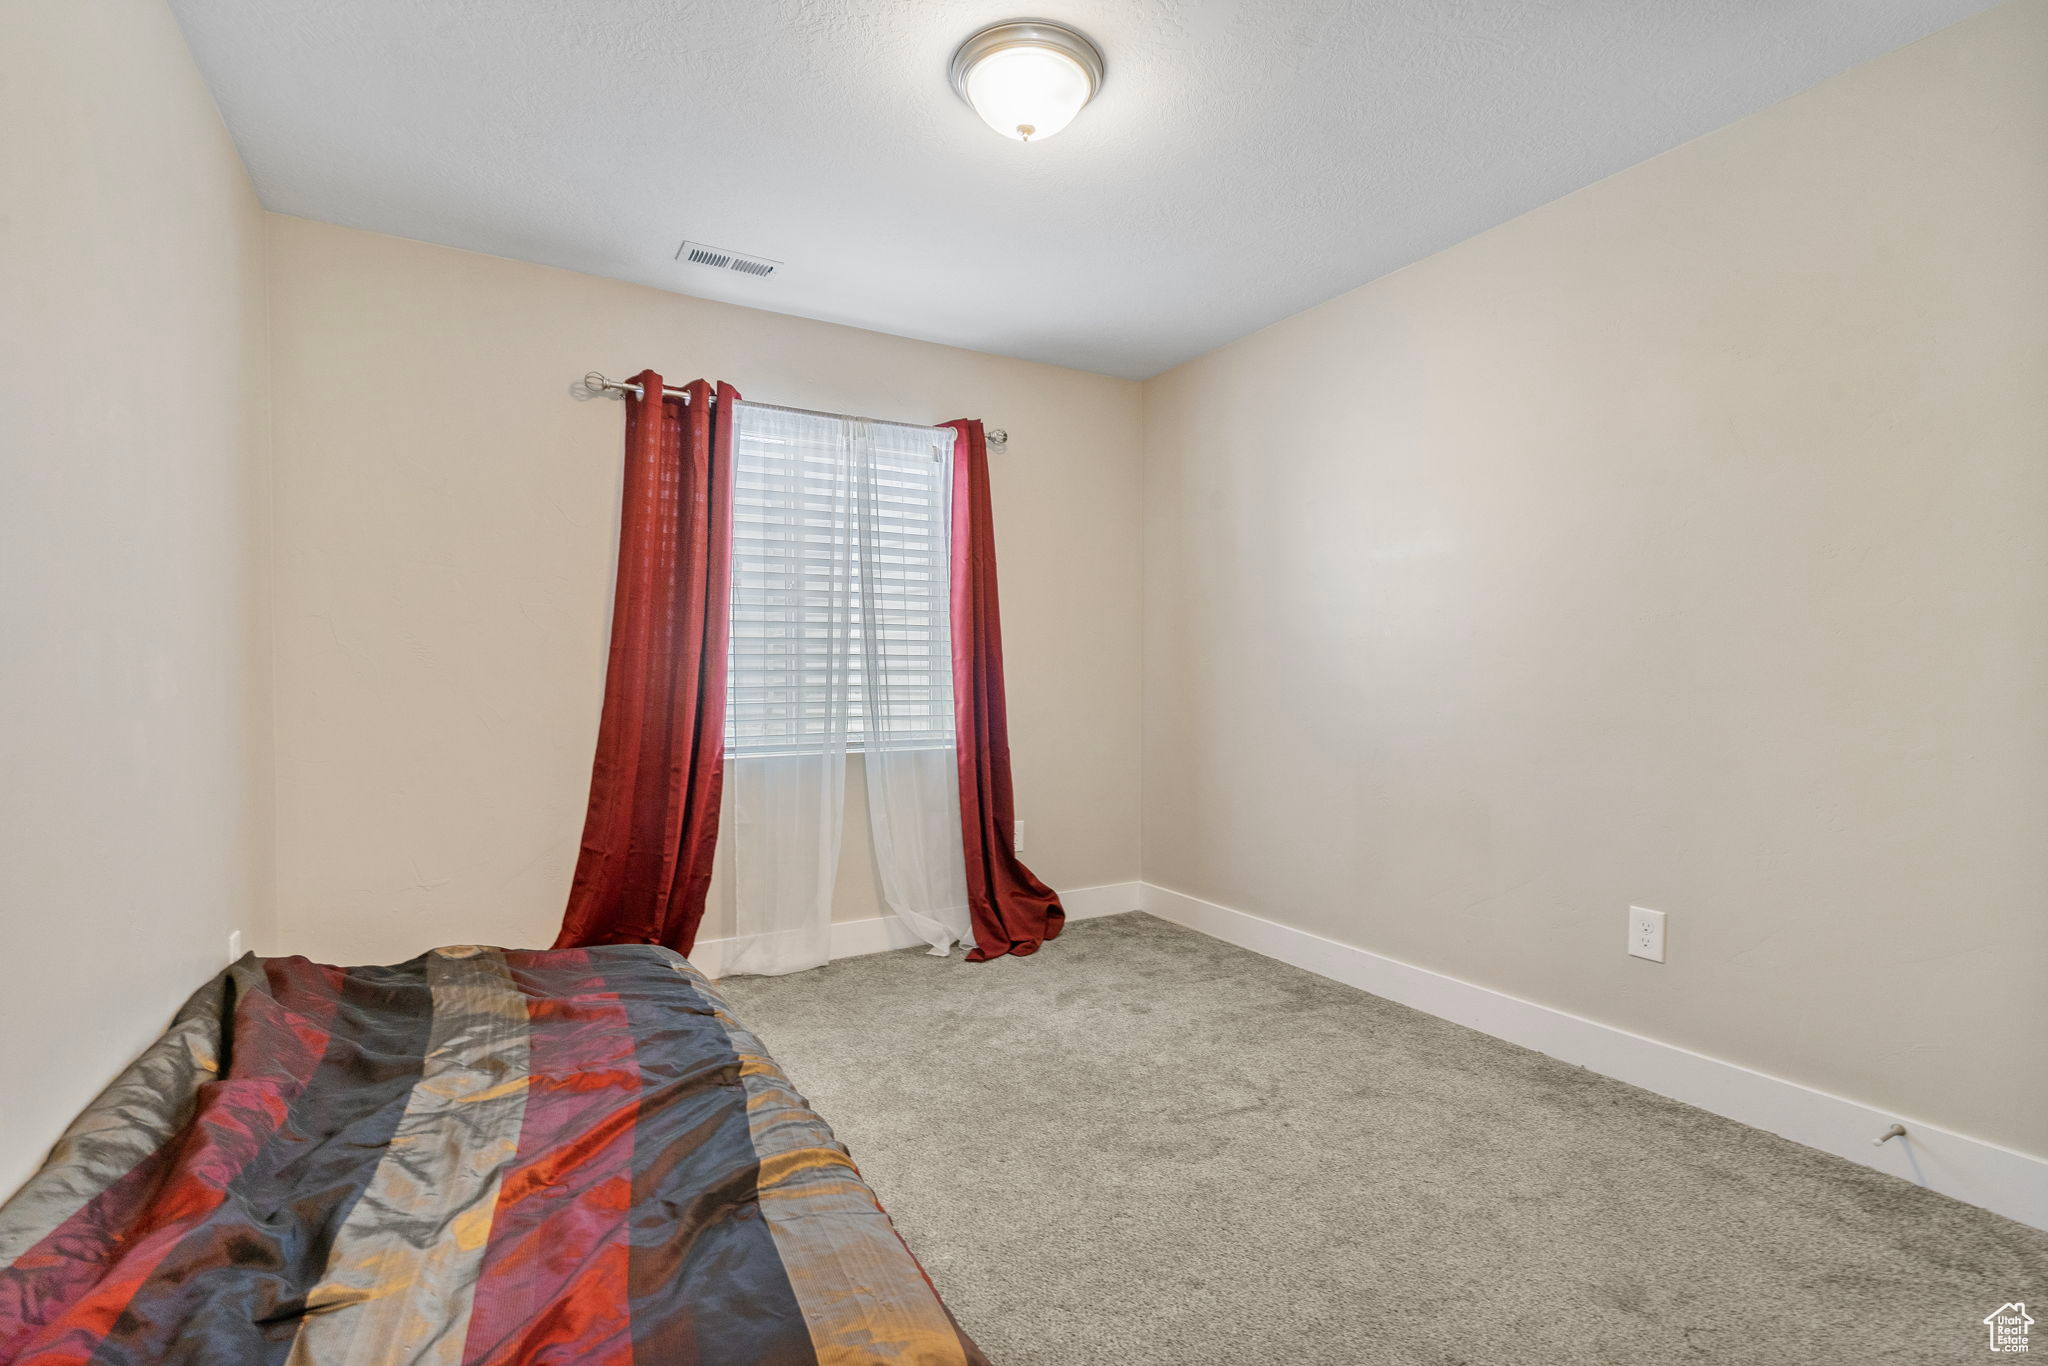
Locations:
{"points": [[235, 946], [1646, 933], [1017, 838]]}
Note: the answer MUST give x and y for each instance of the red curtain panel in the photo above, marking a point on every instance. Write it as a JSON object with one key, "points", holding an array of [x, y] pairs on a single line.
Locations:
{"points": [[1011, 910], [655, 785]]}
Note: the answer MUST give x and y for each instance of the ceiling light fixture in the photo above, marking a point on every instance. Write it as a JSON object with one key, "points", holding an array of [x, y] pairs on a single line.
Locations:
{"points": [[1027, 78]]}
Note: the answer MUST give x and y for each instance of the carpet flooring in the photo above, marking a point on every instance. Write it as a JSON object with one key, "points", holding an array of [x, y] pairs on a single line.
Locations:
{"points": [[1145, 1147]]}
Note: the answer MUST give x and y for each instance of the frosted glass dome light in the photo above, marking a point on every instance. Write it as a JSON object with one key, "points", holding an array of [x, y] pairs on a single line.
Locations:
{"points": [[1027, 78]]}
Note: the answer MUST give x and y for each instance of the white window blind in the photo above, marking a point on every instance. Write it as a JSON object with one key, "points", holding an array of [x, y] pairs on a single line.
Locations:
{"points": [[840, 606]]}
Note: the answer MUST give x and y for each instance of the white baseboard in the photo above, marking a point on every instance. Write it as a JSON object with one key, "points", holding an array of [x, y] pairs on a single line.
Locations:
{"points": [[1999, 1179], [1112, 898], [879, 934]]}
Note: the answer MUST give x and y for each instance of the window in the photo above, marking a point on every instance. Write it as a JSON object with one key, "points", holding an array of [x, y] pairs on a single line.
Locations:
{"points": [[840, 608]]}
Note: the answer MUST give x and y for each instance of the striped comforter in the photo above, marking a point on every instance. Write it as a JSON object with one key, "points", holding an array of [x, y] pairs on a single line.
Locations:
{"points": [[575, 1156]]}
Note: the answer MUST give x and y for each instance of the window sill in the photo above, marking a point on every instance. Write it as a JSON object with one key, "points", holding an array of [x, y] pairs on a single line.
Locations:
{"points": [[744, 755]]}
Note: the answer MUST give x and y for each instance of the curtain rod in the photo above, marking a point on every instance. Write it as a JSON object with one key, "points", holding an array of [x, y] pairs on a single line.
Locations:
{"points": [[598, 384]]}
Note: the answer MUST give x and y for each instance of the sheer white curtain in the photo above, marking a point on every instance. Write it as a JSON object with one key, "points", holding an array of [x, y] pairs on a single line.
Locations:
{"points": [[840, 642], [903, 514]]}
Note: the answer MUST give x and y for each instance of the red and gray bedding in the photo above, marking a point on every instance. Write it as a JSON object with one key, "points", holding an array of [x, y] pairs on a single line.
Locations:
{"points": [[574, 1157]]}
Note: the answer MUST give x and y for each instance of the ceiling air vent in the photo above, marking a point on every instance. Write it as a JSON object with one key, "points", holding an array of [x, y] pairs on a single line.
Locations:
{"points": [[718, 258]]}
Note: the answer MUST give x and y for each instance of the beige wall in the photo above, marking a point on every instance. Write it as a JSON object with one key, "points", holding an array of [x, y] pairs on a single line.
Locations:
{"points": [[132, 663], [1679, 543], [446, 520]]}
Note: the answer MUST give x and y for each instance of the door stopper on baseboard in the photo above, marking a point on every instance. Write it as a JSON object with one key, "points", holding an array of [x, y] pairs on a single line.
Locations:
{"points": [[1896, 1131]]}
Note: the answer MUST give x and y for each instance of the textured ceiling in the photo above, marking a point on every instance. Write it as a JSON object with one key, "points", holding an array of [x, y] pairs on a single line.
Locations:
{"points": [[1244, 160]]}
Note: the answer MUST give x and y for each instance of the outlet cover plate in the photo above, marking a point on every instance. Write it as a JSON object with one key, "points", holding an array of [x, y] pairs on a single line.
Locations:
{"points": [[1646, 933]]}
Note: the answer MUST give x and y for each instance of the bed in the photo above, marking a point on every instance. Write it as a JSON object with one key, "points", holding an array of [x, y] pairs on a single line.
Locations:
{"points": [[480, 1156]]}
